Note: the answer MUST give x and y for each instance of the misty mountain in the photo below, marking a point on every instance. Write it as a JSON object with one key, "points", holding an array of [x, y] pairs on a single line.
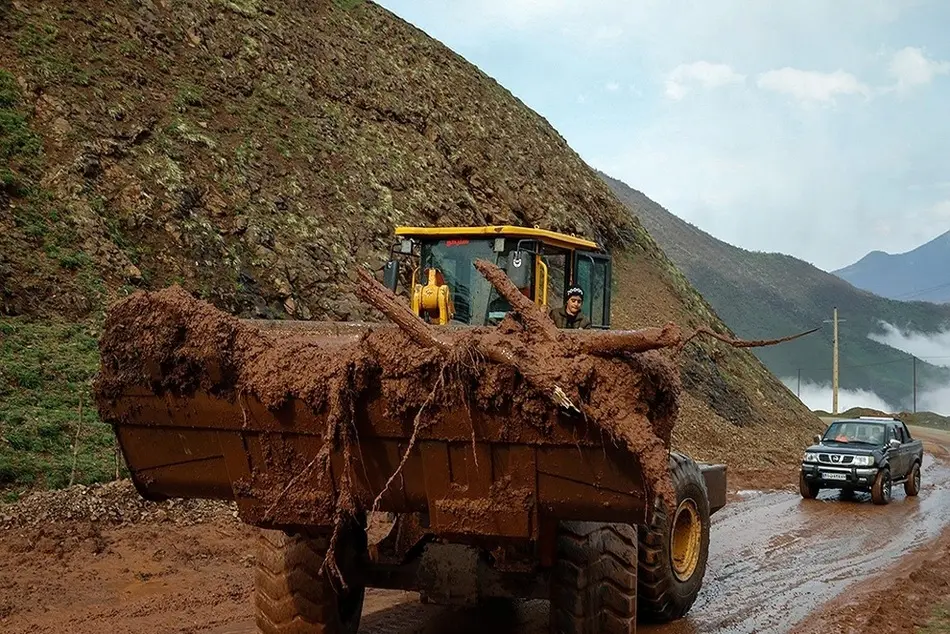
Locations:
{"points": [[921, 274], [764, 295]]}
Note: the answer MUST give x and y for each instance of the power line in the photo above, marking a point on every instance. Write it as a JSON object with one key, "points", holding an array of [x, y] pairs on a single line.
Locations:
{"points": [[920, 291], [877, 363]]}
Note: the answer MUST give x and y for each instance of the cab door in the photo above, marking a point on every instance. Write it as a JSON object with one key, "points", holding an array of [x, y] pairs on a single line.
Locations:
{"points": [[896, 457], [592, 274]]}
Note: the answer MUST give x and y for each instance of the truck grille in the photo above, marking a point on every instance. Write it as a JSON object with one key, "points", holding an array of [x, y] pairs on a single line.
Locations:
{"points": [[835, 458]]}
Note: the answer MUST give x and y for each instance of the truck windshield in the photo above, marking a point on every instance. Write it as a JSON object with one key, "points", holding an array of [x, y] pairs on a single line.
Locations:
{"points": [[477, 303], [856, 432]]}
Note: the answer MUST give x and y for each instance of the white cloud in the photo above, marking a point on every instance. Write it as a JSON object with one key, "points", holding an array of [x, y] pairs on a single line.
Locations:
{"points": [[811, 86], [936, 400], [933, 347], [612, 86], [814, 181], [941, 211], [819, 396], [706, 74], [910, 67]]}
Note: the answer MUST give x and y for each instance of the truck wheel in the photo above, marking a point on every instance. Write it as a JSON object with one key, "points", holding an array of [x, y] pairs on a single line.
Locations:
{"points": [[912, 485], [291, 596], [881, 489], [594, 583], [673, 555], [809, 490]]}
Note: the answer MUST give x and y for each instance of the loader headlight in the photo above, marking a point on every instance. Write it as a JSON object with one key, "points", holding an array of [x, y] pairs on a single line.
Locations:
{"points": [[811, 457], [863, 461]]}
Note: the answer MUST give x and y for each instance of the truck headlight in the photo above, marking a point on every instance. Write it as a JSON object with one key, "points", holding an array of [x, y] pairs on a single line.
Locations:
{"points": [[863, 461], [811, 457]]}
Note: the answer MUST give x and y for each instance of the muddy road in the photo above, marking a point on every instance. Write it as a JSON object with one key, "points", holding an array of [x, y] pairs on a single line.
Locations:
{"points": [[775, 560]]}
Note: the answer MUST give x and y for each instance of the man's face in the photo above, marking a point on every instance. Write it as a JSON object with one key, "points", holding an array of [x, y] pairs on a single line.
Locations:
{"points": [[574, 305]]}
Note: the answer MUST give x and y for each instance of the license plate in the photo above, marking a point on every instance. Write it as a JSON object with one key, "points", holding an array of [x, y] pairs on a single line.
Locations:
{"points": [[834, 476]]}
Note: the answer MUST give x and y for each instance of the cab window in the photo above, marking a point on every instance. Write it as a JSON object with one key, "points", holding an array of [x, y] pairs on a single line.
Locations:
{"points": [[894, 433], [593, 276]]}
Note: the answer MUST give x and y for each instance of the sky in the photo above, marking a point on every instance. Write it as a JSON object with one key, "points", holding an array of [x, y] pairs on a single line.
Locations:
{"points": [[815, 128]]}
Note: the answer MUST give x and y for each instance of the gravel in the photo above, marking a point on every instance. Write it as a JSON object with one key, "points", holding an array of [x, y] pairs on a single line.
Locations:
{"points": [[112, 503]]}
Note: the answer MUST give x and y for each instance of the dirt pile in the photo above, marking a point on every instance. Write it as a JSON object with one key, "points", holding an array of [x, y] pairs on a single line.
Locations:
{"points": [[113, 503], [168, 342], [525, 378]]}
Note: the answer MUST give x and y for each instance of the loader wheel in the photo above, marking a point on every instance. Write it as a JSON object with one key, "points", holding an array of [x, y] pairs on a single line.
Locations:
{"points": [[293, 597], [673, 555], [881, 489], [912, 484], [594, 583]]}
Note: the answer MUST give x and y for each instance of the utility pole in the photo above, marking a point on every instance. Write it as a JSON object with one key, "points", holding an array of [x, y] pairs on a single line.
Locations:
{"points": [[834, 362], [799, 383], [834, 369]]}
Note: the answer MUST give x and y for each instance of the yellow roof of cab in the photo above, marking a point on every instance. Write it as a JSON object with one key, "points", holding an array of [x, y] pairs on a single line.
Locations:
{"points": [[548, 237]]}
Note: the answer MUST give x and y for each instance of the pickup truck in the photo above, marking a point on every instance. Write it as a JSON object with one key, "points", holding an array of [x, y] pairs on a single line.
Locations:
{"points": [[863, 454]]}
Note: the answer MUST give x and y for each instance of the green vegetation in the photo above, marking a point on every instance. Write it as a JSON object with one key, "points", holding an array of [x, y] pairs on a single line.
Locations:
{"points": [[46, 369], [939, 622], [20, 148], [765, 295]]}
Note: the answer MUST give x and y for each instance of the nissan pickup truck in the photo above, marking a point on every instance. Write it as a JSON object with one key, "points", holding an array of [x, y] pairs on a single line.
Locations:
{"points": [[863, 454]]}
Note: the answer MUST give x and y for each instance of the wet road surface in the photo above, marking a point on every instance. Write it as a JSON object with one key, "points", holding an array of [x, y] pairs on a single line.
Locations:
{"points": [[773, 559]]}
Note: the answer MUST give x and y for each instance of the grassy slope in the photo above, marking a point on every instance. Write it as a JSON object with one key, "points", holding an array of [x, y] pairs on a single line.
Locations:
{"points": [[761, 295], [45, 371], [255, 157]]}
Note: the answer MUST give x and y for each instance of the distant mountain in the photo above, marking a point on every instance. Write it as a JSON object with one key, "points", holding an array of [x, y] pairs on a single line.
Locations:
{"points": [[922, 274], [763, 295]]}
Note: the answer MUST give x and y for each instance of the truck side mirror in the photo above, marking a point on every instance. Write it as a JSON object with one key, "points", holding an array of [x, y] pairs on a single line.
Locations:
{"points": [[391, 275], [817, 439], [894, 443], [518, 268]]}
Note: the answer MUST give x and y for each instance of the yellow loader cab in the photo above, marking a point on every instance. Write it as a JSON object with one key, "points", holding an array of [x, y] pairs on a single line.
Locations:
{"points": [[445, 287]]}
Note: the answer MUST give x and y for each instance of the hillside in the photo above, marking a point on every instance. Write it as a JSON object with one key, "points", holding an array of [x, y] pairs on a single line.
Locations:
{"points": [[762, 294], [255, 156], [921, 274]]}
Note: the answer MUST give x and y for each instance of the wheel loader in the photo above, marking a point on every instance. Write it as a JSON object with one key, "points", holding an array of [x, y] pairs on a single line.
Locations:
{"points": [[488, 508]]}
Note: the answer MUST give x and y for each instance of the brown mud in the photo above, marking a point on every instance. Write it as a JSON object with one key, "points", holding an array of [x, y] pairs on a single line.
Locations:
{"points": [[525, 371], [168, 342]]}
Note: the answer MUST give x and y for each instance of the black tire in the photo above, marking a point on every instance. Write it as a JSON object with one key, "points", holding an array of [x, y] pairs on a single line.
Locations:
{"points": [[809, 490], [292, 597], [594, 582], [669, 585], [912, 484], [881, 489]]}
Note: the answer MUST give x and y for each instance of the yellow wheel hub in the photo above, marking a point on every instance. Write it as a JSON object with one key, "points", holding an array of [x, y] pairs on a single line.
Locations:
{"points": [[685, 540]]}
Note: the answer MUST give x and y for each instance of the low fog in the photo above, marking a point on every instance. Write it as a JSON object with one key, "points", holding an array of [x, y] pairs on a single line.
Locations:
{"points": [[818, 396], [934, 348]]}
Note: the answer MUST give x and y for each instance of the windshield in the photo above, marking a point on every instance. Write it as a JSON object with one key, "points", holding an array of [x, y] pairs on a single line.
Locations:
{"points": [[476, 301], [856, 432]]}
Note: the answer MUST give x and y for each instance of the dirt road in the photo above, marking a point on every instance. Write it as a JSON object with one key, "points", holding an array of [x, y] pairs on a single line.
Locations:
{"points": [[774, 560]]}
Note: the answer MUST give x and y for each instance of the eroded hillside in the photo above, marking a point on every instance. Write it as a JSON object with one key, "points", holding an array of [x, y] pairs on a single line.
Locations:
{"points": [[255, 153]]}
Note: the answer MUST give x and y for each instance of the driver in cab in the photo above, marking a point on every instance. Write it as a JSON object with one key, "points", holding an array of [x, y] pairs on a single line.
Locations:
{"points": [[570, 315]]}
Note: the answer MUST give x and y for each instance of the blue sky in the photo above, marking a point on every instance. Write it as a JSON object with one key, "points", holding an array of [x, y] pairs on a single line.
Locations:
{"points": [[815, 128]]}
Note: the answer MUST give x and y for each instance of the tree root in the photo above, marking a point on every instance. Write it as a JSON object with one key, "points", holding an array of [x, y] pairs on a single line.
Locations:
{"points": [[544, 356]]}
